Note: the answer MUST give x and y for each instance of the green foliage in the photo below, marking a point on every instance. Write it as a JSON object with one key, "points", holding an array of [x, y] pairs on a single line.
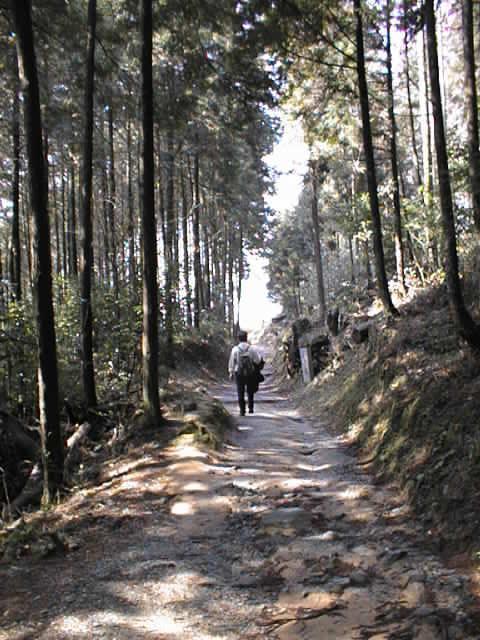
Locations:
{"points": [[18, 358]]}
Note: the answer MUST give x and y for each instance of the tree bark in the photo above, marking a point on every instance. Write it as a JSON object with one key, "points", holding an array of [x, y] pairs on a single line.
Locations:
{"points": [[186, 257], [151, 399], [72, 226], [15, 257], [399, 255], [197, 269], [169, 248], [466, 326], [112, 203], [86, 227], [317, 245], [471, 108], [131, 210], [381, 275], [50, 428], [408, 82], [426, 144]]}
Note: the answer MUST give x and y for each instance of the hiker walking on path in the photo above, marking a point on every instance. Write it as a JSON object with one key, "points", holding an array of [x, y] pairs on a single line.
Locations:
{"points": [[245, 364]]}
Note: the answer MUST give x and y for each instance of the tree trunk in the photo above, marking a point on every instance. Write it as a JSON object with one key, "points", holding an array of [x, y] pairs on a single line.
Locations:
{"points": [[64, 228], [317, 245], [169, 249], [207, 265], [186, 258], [131, 210], [86, 226], [467, 327], [399, 257], [426, 144], [56, 222], [471, 108], [408, 82], [231, 292], [112, 203], [50, 428], [151, 399], [72, 226], [382, 281], [15, 258], [197, 270]]}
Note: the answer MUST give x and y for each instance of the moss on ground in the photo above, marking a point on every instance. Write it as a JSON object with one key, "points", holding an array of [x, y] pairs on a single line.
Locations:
{"points": [[411, 406]]}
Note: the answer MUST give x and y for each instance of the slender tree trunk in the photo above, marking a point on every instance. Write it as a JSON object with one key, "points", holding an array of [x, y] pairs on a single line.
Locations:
{"points": [[151, 400], [112, 203], [471, 108], [131, 210], [104, 258], [186, 258], [206, 269], [16, 256], [371, 172], [352, 260], [399, 257], [317, 245], [86, 226], [197, 269], [231, 292], [64, 227], [169, 249], [426, 144], [56, 222], [467, 327], [408, 81], [240, 278], [50, 428], [72, 226]]}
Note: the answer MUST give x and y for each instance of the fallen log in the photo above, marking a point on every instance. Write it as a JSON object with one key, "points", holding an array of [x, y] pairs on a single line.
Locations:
{"points": [[73, 446]]}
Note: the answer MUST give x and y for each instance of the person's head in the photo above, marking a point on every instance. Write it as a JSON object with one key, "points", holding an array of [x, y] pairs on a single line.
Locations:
{"points": [[242, 336]]}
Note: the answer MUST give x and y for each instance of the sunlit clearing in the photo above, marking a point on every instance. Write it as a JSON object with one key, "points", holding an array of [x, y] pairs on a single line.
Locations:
{"points": [[182, 509]]}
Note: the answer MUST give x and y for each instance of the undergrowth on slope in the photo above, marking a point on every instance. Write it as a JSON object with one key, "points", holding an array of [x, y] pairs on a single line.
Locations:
{"points": [[409, 401]]}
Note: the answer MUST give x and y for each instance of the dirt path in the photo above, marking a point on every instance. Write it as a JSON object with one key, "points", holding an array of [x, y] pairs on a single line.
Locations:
{"points": [[280, 536]]}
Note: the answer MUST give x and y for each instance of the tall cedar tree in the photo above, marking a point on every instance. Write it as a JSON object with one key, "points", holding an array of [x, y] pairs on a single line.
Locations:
{"points": [[314, 171], [86, 257], [471, 107], [393, 159], [52, 440], [370, 162], [15, 253], [467, 327], [151, 399]]}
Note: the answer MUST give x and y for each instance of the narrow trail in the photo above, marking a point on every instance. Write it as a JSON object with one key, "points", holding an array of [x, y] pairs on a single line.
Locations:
{"points": [[278, 536]]}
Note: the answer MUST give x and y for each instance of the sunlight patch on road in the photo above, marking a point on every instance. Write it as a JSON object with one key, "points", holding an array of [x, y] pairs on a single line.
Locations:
{"points": [[353, 493], [182, 509], [312, 468], [195, 486]]}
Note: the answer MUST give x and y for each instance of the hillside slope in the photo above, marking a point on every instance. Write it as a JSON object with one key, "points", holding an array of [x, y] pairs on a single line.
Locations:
{"points": [[409, 400]]}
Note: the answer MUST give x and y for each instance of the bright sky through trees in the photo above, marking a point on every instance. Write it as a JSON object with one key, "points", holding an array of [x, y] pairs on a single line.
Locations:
{"points": [[289, 160]]}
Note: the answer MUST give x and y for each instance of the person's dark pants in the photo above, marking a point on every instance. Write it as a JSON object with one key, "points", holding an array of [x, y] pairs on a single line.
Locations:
{"points": [[242, 385]]}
